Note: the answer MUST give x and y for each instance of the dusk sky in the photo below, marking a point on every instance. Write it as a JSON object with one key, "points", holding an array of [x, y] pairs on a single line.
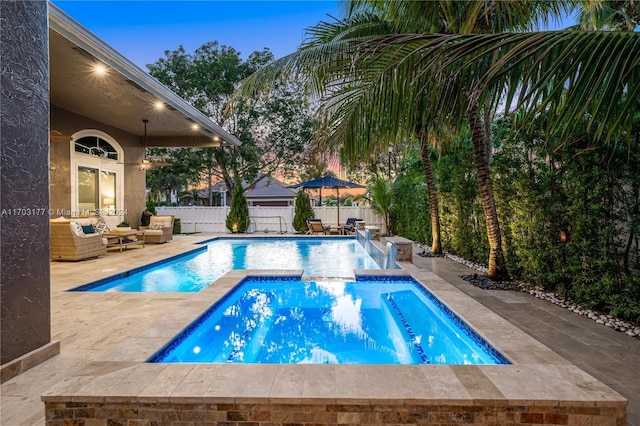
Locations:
{"points": [[143, 30]]}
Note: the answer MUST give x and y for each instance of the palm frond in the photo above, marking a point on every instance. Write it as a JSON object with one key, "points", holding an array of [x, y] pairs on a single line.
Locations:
{"points": [[566, 73]]}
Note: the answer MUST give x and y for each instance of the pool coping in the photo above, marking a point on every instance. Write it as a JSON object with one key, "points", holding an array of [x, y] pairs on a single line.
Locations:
{"points": [[536, 377]]}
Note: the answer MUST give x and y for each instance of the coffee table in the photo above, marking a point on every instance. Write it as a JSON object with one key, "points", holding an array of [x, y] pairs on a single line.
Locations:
{"points": [[123, 239]]}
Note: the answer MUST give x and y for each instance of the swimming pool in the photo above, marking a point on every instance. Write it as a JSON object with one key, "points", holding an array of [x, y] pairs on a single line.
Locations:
{"points": [[373, 320], [333, 257]]}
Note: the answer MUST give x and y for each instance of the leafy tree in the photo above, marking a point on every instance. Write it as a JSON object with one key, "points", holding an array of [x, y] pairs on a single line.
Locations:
{"points": [[238, 217], [303, 211], [273, 132], [175, 176]]}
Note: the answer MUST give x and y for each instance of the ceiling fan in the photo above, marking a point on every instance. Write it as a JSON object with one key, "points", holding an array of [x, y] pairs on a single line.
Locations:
{"points": [[146, 164]]}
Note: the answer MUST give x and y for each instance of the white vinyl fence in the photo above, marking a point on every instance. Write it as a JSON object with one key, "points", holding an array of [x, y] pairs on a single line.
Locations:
{"points": [[264, 219]]}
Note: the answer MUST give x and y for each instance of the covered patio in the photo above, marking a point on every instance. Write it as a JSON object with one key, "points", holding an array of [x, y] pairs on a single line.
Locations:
{"points": [[105, 111]]}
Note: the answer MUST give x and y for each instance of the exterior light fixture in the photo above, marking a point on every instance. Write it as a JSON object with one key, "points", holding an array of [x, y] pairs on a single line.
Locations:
{"points": [[195, 126], [158, 105], [564, 236], [100, 68], [145, 163]]}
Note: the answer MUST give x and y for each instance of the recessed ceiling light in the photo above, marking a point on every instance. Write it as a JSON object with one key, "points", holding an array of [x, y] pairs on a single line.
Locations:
{"points": [[195, 126], [159, 105]]}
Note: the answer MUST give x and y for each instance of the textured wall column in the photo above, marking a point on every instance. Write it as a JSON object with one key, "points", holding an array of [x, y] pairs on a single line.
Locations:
{"points": [[24, 173]]}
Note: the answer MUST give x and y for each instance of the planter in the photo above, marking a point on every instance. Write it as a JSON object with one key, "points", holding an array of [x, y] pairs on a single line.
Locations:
{"points": [[123, 228]]}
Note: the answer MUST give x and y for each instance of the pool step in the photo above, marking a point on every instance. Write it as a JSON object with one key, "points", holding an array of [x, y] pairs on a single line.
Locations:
{"points": [[403, 324]]}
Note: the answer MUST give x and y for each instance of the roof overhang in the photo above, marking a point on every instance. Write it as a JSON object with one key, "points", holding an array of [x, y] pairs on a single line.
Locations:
{"points": [[124, 95]]}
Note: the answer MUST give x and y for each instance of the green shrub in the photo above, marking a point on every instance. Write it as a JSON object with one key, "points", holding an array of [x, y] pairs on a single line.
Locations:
{"points": [[151, 206], [238, 217], [409, 216], [303, 211]]}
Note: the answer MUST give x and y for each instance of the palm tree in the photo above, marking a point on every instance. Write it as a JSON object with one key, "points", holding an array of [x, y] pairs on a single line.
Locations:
{"points": [[622, 15], [464, 70], [380, 198]]}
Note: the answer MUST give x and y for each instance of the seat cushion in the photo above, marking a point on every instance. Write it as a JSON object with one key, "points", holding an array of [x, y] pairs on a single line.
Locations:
{"points": [[154, 232]]}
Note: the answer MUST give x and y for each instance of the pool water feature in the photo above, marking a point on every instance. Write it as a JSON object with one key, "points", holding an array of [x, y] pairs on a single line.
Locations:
{"points": [[319, 257], [285, 320]]}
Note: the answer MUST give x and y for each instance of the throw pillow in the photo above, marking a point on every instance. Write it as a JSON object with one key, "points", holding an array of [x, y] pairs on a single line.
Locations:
{"points": [[88, 229], [155, 225], [76, 229], [102, 227]]}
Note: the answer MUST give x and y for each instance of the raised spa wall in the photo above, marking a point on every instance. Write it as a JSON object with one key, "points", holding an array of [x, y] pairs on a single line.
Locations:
{"points": [[253, 413]]}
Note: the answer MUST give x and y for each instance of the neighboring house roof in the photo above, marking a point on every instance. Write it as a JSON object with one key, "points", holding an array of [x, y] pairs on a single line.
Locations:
{"points": [[268, 187], [123, 97]]}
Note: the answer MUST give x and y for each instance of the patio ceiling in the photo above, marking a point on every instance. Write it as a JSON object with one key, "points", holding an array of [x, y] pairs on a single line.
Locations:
{"points": [[124, 95]]}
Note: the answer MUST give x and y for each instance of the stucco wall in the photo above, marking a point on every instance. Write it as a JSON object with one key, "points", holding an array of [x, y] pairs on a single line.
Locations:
{"points": [[68, 123], [24, 195]]}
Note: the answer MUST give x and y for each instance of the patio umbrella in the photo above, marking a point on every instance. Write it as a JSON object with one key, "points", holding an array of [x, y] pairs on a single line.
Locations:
{"points": [[328, 182]]}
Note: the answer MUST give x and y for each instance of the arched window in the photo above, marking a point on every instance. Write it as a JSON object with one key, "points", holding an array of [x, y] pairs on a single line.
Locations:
{"points": [[96, 146], [96, 174]]}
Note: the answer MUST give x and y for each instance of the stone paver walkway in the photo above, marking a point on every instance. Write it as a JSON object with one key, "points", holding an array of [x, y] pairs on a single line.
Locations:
{"points": [[610, 356]]}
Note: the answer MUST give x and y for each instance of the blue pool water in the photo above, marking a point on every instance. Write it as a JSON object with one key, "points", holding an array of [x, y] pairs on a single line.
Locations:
{"points": [[318, 257], [373, 320]]}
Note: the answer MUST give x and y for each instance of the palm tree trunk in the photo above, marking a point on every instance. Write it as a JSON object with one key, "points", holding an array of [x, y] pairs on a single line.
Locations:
{"points": [[497, 265], [436, 245], [488, 136]]}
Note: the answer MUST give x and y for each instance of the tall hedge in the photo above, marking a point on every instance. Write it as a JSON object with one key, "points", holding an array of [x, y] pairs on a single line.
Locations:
{"points": [[410, 204], [569, 213], [571, 210]]}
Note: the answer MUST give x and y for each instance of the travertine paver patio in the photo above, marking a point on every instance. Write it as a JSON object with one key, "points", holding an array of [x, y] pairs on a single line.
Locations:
{"points": [[105, 337]]}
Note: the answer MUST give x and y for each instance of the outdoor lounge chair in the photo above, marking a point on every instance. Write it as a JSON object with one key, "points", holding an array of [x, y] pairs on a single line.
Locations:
{"points": [[316, 226], [69, 245], [350, 225], [160, 229]]}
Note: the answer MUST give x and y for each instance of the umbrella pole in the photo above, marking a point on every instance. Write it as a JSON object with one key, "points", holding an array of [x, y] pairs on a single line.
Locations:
{"points": [[338, 196]]}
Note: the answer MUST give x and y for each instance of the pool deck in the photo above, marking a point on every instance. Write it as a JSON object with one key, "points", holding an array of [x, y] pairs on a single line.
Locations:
{"points": [[559, 358]]}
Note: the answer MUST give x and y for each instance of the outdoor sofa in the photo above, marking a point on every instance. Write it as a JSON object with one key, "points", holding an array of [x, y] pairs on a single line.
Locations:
{"points": [[69, 242]]}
